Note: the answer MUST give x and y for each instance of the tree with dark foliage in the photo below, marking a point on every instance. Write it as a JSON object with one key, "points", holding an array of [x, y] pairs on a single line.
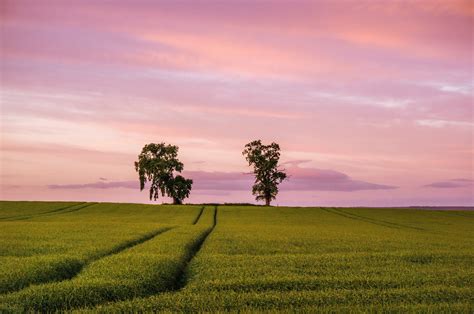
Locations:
{"points": [[157, 164], [264, 159]]}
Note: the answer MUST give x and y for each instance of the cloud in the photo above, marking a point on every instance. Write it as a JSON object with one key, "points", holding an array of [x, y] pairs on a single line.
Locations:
{"points": [[295, 163], [10, 186], [300, 179], [69, 151], [220, 181], [364, 100], [444, 123], [313, 179], [328, 80], [453, 183], [97, 185]]}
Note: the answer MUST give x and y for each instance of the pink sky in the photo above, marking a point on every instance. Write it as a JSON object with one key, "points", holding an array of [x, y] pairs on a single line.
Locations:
{"points": [[371, 102]]}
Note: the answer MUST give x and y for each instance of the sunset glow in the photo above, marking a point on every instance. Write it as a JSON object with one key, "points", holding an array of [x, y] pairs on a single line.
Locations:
{"points": [[371, 102]]}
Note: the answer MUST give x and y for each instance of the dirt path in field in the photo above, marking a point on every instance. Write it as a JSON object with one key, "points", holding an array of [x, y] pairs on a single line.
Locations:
{"points": [[57, 211], [182, 278]]}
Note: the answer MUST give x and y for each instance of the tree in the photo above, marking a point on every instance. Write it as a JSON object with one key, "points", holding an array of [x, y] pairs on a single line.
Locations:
{"points": [[157, 164], [264, 159], [181, 189]]}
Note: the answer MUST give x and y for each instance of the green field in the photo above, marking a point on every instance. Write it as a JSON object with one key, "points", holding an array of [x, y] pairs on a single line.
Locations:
{"points": [[108, 257]]}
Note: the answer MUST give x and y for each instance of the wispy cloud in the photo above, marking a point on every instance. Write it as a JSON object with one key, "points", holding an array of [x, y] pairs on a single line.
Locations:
{"points": [[313, 179], [450, 184], [301, 179], [97, 185], [445, 123], [364, 100], [359, 87]]}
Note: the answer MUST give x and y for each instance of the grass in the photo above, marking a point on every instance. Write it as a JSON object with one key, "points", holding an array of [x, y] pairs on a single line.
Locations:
{"points": [[246, 258], [56, 246], [154, 265], [23, 210]]}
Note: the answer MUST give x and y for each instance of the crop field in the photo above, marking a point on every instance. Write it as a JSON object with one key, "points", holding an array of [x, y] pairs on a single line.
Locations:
{"points": [[104, 257]]}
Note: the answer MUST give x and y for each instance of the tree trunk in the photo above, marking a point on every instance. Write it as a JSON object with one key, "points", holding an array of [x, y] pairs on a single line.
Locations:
{"points": [[177, 201], [267, 201]]}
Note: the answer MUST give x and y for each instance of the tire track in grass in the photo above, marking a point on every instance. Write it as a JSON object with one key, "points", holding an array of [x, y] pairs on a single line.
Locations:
{"points": [[22, 217], [153, 267], [378, 220], [69, 268], [56, 212], [78, 208], [451, 213], [355, 218], [128, 244], [361, 218], [182, 278], [199, 215]]}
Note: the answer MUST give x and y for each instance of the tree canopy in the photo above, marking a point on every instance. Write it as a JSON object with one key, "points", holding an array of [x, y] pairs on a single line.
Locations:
{"points": [[264, 159], [157, 164]]}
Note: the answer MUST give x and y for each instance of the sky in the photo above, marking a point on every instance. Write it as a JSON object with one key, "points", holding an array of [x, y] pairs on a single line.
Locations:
{"points": [[370, 101]]}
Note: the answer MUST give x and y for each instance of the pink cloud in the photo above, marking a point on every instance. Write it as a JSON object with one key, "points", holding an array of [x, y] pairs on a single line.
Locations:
{"points": [[97, 185], [312, 179], [300, 179], [453, 183], [42, 150], [382, 91], [240, 40]]}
